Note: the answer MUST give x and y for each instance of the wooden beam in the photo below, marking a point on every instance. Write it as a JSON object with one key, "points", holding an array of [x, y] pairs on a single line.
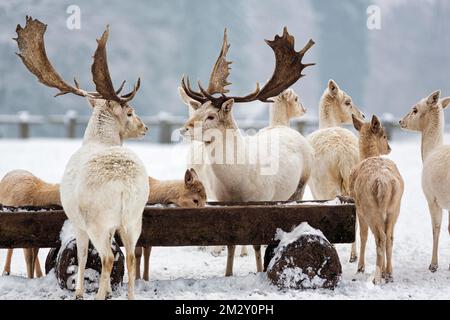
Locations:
{"points": [[215, 224]]}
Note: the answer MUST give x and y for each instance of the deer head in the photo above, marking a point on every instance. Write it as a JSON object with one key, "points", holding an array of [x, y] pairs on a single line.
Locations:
{"points": [[292, 102], [213, 107], [30, 40], [428, 111], [372, 136], [339, 105], [193, 193]]}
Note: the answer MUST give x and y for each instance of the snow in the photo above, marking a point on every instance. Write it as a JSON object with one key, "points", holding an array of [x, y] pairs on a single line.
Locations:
{"points": [[189, 273]]}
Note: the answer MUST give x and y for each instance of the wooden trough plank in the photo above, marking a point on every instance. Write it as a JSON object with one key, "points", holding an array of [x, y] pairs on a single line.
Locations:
{"points": [[212, 225]]}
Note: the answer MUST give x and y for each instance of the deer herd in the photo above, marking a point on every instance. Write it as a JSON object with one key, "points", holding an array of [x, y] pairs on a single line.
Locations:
{"points": [[105, 186]]}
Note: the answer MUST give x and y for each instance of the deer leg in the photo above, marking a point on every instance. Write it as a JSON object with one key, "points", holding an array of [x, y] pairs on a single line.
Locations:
{"points": [[436, 220], [29, 261], [82, 240], [37, 265], [230, 261], [138, 254], [244, 251], [353, 254], [7, 268], [130, 238], [102, 243], [380, 240], [259, 265], [363, 233], [147, 252]]}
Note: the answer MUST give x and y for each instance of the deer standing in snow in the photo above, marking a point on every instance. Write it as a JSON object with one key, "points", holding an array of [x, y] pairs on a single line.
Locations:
{"points": [[237, 178], [427, 117], [20, 188], [188, 193], [105, 186], [377, 188], [335, 148]]}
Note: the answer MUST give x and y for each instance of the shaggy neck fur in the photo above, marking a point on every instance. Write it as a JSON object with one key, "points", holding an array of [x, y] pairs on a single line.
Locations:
{"points": [[368, 146], [165, 192], [103, 128], [328, 112], [432, 134], [279, 113]]}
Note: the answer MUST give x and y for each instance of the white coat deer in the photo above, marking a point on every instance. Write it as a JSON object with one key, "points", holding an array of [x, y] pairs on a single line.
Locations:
{"points": [[427, 117], [335, 148], [105, 186], [234, 170]]}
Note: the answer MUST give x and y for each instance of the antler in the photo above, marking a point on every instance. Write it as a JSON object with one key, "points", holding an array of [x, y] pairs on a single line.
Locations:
{"points": [[288, 69], [102, 78], [32, 52]]}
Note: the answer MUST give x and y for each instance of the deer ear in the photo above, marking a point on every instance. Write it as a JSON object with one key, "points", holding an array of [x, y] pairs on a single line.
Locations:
{"points": [[375, 124], [333, 87], [445, 102], [188, 101], [188, 177], [357, 123], [227, 105], [433, 98]]}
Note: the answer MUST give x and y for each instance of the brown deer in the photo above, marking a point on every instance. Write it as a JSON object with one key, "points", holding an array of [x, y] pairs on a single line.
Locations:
{"points": [[21, 188], [188, 193], [377, 188], [213, 114]]}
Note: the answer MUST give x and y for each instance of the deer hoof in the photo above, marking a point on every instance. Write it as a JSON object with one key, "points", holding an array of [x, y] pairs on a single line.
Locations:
{"points": [[361, 269], [433, 267], [353, 258], [6, 273]]}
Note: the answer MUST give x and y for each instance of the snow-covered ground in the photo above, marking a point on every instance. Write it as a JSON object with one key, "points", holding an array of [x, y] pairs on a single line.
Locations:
{"points": [[189, 273]]}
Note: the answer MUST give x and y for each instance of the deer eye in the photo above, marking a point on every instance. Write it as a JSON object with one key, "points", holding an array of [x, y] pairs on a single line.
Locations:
{"points": [[210, 118], [415, 110], [129, 114], [348, 103], [296, 99]]}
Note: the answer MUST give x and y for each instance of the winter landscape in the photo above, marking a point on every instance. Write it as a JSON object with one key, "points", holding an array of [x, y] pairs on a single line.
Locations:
{"points": [[189, 273]]}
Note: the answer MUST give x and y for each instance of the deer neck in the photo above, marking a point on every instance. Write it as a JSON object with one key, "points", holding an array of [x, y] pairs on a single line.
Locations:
{"points": [[328, 115], [164, 192], [368, 148], [48, 194], [102, 128], [432, 134], [279, 114], [225, 148]]}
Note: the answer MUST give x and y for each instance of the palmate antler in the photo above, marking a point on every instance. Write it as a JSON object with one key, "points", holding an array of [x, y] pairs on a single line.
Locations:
{"points": [[30, 40], [288, 69]]}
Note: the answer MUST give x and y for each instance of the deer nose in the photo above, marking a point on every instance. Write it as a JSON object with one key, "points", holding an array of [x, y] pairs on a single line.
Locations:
{"points": [[146, 128], [363, 115], [183, 130]]}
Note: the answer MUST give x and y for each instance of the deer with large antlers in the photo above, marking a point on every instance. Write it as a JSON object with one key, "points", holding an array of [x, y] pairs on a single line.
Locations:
{"points": [[105, 186], [241, 174]]}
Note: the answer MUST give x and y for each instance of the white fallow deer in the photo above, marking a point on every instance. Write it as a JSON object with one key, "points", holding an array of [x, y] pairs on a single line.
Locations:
{"points": [[285, 106], [187, 193], [427, 117], [20, 188], [335, 148], [105, 186], [377, 188], [233, 169]]}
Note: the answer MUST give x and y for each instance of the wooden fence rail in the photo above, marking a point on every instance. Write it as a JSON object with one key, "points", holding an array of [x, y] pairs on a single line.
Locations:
{"points": [[216, 224], [165, 122]]}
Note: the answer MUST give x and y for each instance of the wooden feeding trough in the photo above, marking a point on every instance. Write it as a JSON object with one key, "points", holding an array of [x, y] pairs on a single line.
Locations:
{"points": [[219, 223], [250, 223]]}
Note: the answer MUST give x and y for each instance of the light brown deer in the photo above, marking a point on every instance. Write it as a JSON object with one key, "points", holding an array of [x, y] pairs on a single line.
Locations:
{"points": [[188, 193], [21, 188], [377, 188], [236, 178], [427, 117]]}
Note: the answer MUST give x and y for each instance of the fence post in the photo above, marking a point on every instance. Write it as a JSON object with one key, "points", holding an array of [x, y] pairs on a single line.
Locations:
{"points": [[70, 121], [24, 124]]}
